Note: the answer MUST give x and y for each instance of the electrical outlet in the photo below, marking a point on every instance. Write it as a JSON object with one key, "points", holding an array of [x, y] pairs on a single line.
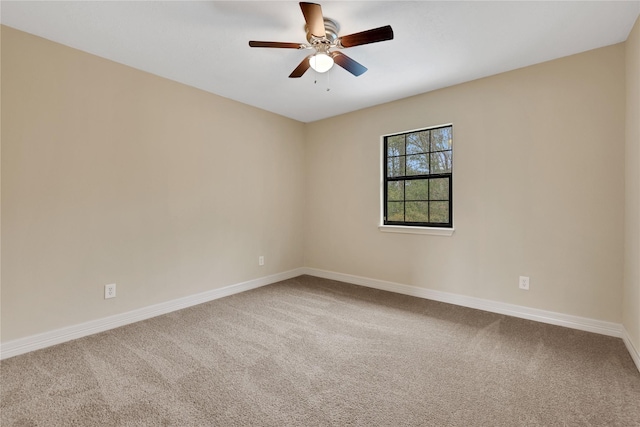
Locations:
{"points": [[523, 283], [261, 260], [110, 291]]}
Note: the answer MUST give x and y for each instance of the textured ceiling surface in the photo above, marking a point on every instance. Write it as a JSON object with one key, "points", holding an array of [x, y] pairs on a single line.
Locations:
{"points": [[437, 44]]}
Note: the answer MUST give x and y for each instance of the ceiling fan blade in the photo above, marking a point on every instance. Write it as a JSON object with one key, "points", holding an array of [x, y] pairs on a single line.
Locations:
{"points": [[348, 64], [282, 45], [301, 68], [365, 37], [315, 21]]}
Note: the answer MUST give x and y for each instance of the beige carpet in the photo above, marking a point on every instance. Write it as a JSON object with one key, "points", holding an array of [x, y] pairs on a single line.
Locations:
{"points": [[314, 352]]}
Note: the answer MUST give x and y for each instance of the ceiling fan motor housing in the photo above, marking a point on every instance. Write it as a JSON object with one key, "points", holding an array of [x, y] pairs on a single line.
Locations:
{"points": [[331, 29]]}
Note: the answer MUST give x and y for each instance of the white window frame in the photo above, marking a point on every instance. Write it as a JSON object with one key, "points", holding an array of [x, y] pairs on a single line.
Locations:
{"points": [[406, 229]]}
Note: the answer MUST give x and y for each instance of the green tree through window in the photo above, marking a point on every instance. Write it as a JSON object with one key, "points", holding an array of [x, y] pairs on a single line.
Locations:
{"points": [[417, 181]]}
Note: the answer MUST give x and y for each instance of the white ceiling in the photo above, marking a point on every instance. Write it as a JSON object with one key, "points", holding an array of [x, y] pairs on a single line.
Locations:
{"points": [[436, 44]]}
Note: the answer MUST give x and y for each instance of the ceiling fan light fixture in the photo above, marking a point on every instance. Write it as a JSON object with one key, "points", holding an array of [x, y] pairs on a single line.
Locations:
{"points": [[321, 62], [322, 35]]}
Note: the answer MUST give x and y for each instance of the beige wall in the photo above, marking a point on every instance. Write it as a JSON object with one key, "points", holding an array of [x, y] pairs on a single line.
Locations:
{"points": [[111, 175], [631, 304], [0, 186], [538, 188]]}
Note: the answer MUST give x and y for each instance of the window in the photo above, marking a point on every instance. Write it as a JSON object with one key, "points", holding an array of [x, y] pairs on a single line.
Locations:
{"points": [[417, 187]]}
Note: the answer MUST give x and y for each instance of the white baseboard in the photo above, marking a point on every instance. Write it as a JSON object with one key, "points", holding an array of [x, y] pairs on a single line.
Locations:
{"points": [[47, 339], [635, 354], [560, 319]]}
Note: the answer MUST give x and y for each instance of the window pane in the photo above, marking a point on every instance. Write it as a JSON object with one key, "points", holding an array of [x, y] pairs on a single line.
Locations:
{"points": [[439, 212], [395, 145], [418, 177], [395, 166], [417, 211], [441, 162], [395, 190], [395, 211], [439, 189], [417, 189], [418, 142], [417, 164], [441, 139]]}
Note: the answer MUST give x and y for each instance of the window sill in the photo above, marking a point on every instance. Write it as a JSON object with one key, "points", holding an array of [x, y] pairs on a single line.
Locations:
{"points": [[433, 231]]}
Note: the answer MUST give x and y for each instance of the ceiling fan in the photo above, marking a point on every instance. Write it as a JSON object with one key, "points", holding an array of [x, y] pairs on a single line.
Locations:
{"points": [[322, 36]]}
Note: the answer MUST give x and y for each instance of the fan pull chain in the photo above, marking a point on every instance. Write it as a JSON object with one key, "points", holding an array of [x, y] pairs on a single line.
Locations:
{"points": [[315, 81]]}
